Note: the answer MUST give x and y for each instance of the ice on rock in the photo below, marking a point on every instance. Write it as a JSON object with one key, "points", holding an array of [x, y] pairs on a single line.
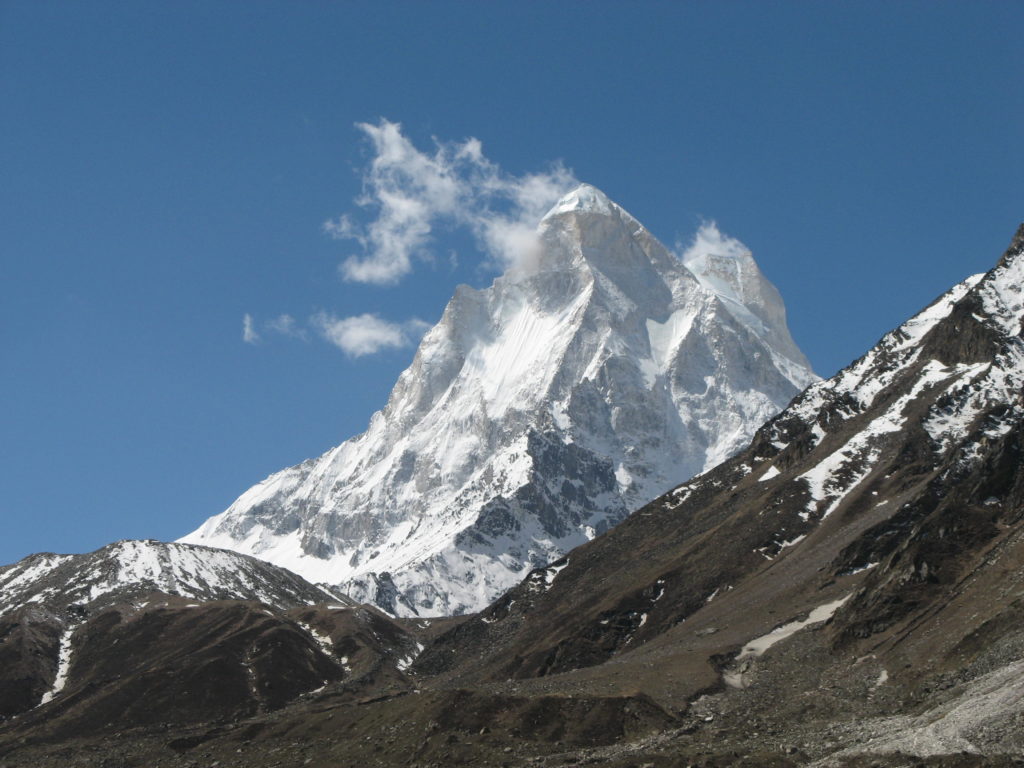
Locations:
{"points": [[536, 414]]}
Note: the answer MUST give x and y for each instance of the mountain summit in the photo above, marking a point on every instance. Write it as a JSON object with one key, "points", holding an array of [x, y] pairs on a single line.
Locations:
{"points": [[596, 374]]}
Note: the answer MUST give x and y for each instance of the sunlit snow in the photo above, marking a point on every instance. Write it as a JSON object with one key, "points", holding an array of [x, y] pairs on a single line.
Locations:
{"points": [[647, 369]]}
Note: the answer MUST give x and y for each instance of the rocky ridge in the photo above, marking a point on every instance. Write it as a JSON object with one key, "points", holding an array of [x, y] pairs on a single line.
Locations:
{"points": [[846, 591], [145, 632]]}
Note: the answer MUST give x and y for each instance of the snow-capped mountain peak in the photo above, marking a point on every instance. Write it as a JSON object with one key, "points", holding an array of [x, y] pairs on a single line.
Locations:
{"points": [[585, 199], [596, 374]]}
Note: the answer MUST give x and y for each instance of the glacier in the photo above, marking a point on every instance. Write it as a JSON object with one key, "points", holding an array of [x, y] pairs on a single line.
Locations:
{"points": [[592, 377]]}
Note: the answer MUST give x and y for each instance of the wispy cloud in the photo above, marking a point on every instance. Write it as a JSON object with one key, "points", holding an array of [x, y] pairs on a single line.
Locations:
{"points": [[408, 192], [283, 325], [709, 240], [286, 325], [367, 334], [249, 334]]}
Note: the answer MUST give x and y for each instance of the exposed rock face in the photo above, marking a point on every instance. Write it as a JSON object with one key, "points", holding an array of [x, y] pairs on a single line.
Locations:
{"points": [[142, 633], [536, 415], [909, 459], [859, 562], [847, 591]]}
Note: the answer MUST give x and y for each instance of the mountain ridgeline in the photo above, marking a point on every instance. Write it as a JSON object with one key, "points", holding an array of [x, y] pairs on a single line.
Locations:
{"points": [[847, 590], [536, 414], [884, 506]]}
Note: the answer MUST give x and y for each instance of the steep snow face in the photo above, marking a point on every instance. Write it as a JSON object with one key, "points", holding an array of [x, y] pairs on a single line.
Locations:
{"points": [[128, 570], [536, 414]]}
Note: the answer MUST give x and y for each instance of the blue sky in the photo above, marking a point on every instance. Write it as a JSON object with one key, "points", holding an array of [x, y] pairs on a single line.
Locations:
{"points": [[167, 169]]}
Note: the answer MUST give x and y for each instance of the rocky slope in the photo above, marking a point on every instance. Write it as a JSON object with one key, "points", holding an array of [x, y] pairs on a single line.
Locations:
{"points": [[536, 414], [144, 632], [855, 571], [846, 591]]}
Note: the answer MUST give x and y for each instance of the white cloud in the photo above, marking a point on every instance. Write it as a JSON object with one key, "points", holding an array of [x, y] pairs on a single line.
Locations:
{"points": [[249, 334], [410, 192], [367, 334], [283, 324], [286, 325], [710, 241]]}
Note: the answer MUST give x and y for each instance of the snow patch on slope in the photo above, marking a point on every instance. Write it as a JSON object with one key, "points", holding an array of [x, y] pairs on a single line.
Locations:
{"points": [[63, 667], [759, 645], [876, 371], [324, 641], [735, 677], [837, 475]]}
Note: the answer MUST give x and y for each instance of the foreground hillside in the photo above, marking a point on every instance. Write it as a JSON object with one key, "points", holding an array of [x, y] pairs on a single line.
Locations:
{"points": [[846, 591]]}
